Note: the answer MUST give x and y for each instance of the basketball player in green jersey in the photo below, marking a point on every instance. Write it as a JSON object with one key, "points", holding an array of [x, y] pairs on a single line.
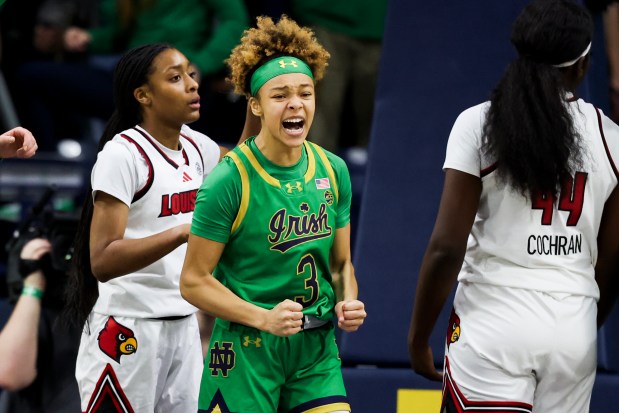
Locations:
{"points": [[269, 251]]}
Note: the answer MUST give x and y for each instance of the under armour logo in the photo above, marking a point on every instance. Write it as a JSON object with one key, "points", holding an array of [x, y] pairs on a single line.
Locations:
{"points": [[297, 186], [283, 64], [256, 342], [222, 359], [186, 177]]}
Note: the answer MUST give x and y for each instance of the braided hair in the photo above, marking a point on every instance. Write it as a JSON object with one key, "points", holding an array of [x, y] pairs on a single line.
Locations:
{"points": [[529, 130], [132, 71]]}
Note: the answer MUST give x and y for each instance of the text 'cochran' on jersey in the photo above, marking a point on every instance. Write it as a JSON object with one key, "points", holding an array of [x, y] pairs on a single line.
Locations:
{"points": [[554, 244]]}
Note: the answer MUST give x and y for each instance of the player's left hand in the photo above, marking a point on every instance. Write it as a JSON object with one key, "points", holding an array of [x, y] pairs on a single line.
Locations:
{"points": [[350, 314], [18, 142], [422, 361]]}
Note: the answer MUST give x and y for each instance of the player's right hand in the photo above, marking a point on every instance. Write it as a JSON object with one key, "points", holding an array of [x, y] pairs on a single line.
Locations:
{"points": [[284, 319], [18, 142], [422, 361]]}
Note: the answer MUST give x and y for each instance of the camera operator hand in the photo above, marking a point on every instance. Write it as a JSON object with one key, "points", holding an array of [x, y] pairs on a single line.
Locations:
{"points": [[19, 337], [34, 250]]}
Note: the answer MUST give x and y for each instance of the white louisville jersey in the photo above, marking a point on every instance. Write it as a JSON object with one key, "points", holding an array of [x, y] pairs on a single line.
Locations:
{"points": [[543, 244], [159, 185]]}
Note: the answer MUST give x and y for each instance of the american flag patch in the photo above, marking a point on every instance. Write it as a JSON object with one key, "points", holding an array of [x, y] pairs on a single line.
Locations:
{"points": [[322, 183]]}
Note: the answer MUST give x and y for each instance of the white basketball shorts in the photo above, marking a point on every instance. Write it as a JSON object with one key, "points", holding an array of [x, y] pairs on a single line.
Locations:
{"points": [[517, 350], [137, 365]]}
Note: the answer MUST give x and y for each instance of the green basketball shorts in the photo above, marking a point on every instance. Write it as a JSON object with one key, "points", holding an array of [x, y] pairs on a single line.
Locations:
{"points": [[249, 371]]}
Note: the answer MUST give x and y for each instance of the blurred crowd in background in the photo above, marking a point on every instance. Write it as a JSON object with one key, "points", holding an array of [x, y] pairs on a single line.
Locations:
{"points": [[57, 58]]}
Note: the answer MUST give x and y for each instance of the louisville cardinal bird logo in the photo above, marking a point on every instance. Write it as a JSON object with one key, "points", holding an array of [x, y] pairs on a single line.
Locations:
{"points": [[453, 330], [116, 340]]}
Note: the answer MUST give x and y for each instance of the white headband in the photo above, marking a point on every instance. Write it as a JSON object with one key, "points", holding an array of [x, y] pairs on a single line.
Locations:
{"points": [[571, 62]]}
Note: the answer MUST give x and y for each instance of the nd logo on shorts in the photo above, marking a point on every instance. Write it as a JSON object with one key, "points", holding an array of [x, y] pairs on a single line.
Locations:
{"points": [[453, 329], [223, 358], [116, 340]]}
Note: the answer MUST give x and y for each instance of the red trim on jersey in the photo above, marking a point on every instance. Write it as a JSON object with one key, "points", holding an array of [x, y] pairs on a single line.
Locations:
{"points": [[195, 145], [151, 171], [161, 152], [488, 170], [610, 158], [463, 405], [108, 388]]}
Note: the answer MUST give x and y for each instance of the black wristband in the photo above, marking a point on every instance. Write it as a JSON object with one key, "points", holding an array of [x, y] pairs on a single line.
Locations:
{"points": [[27, 267]]}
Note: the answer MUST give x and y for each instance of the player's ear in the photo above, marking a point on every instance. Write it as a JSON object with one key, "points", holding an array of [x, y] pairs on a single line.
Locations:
{"points": [[254, 105], [583, 65], [142, 95]]}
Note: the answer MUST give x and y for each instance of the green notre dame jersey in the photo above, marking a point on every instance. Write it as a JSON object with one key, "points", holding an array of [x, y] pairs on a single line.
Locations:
{"points": [[278, 224]]}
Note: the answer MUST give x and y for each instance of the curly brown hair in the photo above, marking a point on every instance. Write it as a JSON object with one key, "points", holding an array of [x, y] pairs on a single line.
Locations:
{"points": [[270, 40]]}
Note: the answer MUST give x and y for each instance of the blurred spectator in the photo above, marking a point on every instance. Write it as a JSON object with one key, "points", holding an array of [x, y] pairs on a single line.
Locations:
{"points": [[352, 32], [37, 355], [33, 32], [53, 18], [204, 30]]}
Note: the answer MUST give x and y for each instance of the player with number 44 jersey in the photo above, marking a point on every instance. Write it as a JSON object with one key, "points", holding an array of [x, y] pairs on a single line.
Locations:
{"points": [[527, 225], [555, 233]]}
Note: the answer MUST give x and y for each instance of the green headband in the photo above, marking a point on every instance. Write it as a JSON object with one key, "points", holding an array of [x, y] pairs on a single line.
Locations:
{"points": [[276, 67]]}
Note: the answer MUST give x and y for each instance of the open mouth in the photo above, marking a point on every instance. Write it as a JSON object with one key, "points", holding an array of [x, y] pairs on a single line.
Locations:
{"points": [[195, 103], [294, 125]]}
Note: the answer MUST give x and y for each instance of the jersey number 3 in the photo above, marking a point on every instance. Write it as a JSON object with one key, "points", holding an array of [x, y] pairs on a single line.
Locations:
{"points": [[308, 264], [571, 199]]}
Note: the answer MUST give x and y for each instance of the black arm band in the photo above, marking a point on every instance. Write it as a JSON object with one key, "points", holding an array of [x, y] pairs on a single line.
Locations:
{"points": [[27, 267]]}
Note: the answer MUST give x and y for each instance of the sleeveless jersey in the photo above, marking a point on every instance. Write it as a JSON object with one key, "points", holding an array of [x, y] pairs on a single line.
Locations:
{"points": [[166, 199], [543, 244], [279, 243]]}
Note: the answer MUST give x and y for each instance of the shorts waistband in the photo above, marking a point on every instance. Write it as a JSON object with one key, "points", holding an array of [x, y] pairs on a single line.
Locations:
{"points": [[311, 322]]}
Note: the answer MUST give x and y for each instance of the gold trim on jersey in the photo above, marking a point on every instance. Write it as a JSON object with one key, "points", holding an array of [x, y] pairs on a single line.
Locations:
{"points": [[323, 156], [245, 186], [244, 191], [311, 163], [329, 408], [309, 174], [254, 162]]}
